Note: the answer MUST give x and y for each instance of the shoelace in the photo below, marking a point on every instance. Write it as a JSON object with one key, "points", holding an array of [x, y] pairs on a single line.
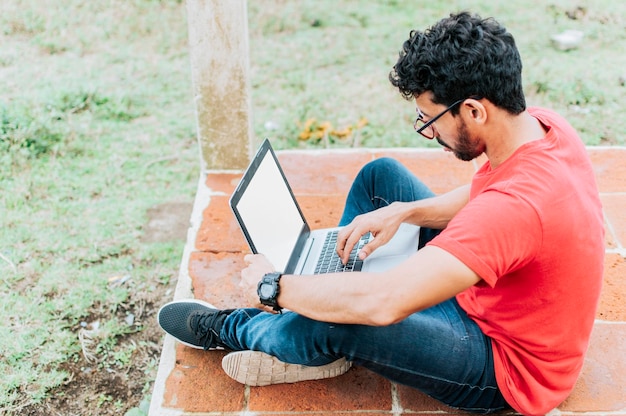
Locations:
{"points": [[203, 325]]}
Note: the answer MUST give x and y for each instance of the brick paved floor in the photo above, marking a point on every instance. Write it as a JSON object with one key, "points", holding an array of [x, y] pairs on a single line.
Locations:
{"points": [[191, 382]]}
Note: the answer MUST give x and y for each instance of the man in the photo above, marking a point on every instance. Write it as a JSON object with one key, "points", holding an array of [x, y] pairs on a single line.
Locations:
{"points": [[497, 309]]}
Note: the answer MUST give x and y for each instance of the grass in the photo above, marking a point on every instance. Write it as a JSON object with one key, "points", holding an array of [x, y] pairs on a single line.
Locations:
{"points": [[330, 63], [97, 126]]}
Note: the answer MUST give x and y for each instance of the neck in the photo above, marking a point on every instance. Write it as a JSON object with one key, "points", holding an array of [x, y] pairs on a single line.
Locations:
{"points": [[509, 134]]}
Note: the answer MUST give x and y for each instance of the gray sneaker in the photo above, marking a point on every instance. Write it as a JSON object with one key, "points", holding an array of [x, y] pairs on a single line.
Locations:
{"points": [[194, 323], [256, 368]]}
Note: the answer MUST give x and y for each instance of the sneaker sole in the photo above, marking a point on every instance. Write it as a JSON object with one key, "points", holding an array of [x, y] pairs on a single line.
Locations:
{"points": [[198, 301], [256, 368]]}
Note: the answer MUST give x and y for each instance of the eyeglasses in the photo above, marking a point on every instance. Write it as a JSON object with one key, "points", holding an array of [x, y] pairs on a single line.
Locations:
{"points": [[427, 129]]}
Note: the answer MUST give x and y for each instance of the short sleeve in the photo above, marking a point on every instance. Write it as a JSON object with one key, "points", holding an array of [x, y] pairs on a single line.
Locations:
{"points": [[494, 234]]}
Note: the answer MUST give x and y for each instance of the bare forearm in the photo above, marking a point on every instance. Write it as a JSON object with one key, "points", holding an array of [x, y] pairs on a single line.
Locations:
{"points": [[428, 277], [436, 212], [337, 298]]}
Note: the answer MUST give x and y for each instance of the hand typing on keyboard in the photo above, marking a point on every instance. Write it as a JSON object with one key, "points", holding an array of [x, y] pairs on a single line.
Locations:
{"points": [[380, 224], [330, 262]]}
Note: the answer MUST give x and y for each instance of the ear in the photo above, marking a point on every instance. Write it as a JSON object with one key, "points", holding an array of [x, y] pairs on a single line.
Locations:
{"points": [[475, 110]]}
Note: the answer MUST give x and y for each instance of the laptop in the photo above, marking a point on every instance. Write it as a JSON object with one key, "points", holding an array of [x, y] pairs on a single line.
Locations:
{"points": [[273, 225]]}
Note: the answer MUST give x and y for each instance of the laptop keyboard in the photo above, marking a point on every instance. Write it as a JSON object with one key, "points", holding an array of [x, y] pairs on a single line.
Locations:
{"points": [[329, 261]]}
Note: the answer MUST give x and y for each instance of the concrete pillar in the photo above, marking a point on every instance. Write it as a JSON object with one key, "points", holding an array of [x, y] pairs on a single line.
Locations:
{"points": [[218, 45]]}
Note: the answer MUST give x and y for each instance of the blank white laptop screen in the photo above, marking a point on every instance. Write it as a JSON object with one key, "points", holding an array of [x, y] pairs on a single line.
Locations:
{"points": [[269, 213]]}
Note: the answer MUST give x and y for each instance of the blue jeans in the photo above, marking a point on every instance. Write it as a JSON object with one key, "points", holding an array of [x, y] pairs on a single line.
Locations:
{"points": [[439, 351]]}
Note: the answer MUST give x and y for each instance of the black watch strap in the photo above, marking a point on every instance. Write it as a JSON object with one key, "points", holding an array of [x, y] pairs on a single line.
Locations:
{"points": [[268, 290]]}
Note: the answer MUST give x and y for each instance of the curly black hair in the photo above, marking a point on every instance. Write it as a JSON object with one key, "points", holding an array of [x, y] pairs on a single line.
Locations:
{"points": [[460, 57]]}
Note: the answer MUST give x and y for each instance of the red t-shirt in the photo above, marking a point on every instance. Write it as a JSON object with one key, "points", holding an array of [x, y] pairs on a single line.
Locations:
{"points": [[533, 231]]}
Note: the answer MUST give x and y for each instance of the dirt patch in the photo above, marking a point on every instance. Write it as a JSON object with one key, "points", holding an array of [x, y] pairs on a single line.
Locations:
{"points": [[167, 222], [94, 389]]}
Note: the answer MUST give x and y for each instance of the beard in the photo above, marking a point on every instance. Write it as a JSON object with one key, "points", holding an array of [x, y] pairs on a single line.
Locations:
{"points": [[466, 148]]}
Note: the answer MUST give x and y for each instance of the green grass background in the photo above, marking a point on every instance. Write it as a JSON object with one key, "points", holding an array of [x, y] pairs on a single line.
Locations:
{"points": [[330, 60], [97, 126]]}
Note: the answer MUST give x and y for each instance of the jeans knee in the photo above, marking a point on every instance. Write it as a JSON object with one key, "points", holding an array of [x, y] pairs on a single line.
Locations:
{"points": [[383, 163], [383, 166]]}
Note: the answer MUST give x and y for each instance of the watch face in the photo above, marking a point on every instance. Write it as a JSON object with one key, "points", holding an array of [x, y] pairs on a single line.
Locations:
{"points": [[266, 290]]}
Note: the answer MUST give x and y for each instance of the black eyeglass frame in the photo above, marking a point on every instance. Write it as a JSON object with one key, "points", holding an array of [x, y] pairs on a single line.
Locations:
{"points": [[437, 117]]}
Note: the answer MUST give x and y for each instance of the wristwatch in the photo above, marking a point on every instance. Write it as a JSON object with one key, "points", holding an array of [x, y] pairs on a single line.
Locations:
{"points": [[268, 290]]}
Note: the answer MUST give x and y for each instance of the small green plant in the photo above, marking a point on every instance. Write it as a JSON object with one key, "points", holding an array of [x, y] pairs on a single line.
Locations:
{"points": [[24, 133], [123, 356], [102, 399]]}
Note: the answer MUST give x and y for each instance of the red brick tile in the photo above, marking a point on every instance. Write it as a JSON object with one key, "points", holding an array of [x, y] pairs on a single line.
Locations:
{"points": [[612, 306], [198, 384], [219, 230], [358, 389], [215, 278], [614, 206], [602, 384], [609, 168], [222, 182], [415, 401], [441, 171], [322, 211], [609, 238], [322, 172]]}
